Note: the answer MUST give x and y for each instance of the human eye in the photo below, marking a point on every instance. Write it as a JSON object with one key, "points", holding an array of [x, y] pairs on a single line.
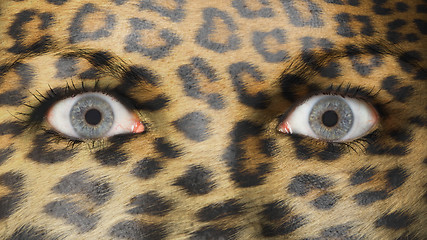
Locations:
{"points": [[92, 115], [331, 118]]}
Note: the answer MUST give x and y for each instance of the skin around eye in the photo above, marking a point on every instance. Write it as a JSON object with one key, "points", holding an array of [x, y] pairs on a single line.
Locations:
{"points": [[92, 115], [331, 118]]}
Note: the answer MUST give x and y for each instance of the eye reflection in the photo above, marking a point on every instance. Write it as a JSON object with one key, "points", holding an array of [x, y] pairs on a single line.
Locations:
{"points": [[331, 118]]}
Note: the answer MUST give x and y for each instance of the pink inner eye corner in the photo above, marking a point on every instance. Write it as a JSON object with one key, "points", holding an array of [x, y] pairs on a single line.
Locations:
{"points": [[285, 127], [137, 127]]}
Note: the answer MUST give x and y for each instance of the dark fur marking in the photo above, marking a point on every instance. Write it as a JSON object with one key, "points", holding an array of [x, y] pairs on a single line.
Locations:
{"points": [[258, 40], [379, 149], [175, 15], [101, 59], [325, 201], [203, 36], [305, 150], [111, 155], [412, 37], [395, 220], [138, 74], [402, 7], [235, 155], [246, 12], [214, 233], [275, 211], [66, 67], [419, 121], [134, 41], [258, 101], [393, 35], [345, 25], [150, 203], [338, 232], [167, 149], [119, 2], [309, 43], [288, 82], [72, 214], [216, 101], [402, 135], [47, 20], [303, 183], [17, 32], [296, 17], [135, 230], [379, 9], [196, 181], [42, 153], [421, 25], [57, 2], [220, 210], [28, 232], [9, 203], [13, 128], [331, 152], [396, 24], [159, 102], [362, 175], [194, 126], [284, 228], [6, 153], [341, 2], [12, 98], [368, 197], [26, 74], [147, 168], [363, 69], [407, 59], [332, 69], [269, 147], [422, 8], [192, 83], [91, 73], [79, 182], [367, 28], [76, 28], [396, 177]]}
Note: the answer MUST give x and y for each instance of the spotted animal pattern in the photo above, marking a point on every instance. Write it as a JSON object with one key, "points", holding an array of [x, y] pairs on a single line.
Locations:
{"points": [[211, 81]]}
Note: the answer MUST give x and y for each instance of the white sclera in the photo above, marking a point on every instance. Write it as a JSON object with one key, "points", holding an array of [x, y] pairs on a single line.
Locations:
{"points": [[58, 116], [365, 118]]}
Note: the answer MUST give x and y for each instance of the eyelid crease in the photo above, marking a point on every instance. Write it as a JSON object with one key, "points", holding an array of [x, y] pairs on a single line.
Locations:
{"points": [[105, 62], [307, 65]]}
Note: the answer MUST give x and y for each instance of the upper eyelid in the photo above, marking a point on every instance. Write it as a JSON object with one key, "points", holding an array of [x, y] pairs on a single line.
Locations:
{"points": [[106, 63]]}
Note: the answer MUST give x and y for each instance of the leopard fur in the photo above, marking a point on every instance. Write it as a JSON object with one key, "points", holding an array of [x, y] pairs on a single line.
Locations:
{"points": [[210, 81]]}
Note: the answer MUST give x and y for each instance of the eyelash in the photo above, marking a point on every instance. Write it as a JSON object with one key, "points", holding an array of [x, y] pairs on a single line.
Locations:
{"points": [[357, 92], [34, 119]]}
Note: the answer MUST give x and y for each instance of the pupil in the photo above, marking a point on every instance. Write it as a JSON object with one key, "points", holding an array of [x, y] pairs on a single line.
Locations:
{"points": [[93, 116], [330, 118]]}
